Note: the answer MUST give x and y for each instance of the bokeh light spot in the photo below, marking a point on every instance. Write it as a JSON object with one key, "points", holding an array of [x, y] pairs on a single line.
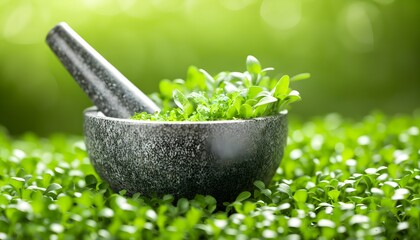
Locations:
{"points": [[384, 2], [17, 21], [281, 14], [105, 7], [356, 26], [359, 25], [236, 5]]}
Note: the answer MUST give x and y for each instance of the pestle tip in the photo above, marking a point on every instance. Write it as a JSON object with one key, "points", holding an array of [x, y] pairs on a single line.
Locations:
{"points": [[58, 27]]}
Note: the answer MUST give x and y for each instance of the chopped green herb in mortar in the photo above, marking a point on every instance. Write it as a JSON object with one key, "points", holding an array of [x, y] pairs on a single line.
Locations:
{"points": [[228, 95]]}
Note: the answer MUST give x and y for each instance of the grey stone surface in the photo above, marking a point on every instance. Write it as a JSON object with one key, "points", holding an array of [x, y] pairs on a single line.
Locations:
{"points": [[220, 158], [109, 90]]}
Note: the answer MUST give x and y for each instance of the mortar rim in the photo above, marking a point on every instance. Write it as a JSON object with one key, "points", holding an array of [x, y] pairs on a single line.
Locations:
{"points": [[93, 112]]}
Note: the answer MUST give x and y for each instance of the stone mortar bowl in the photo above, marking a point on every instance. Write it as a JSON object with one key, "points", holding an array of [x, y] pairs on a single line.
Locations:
{"points": [[218, 158]]}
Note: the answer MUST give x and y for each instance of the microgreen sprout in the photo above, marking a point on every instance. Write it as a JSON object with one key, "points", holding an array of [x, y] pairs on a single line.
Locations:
{"points": [[225, 96], [330, 185]]}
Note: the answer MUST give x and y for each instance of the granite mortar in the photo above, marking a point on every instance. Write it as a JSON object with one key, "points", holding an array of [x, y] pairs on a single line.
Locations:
{"points": [[218, 158]]}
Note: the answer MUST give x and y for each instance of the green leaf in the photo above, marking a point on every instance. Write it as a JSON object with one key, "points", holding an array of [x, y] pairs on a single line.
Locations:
{"points": [[265, 83], [267, 69], [282, 87], [106, 213], [334, 194], [231, 112], [229, 87], [243, 196], [53, 187], [18, 180], [266, 100], [193, 216], [253, 66], [21, 173], [183, 205], [180, 82], [251, 102], [91, 180], [293, 97], [17, 183], [151, 215], [237, 102], [284, 188], [246, 111], [103, 186], [253, 91], [300, 76], [259, 184], [65, 203], [4, 200], [263, 94], [198, 98], [237, 77], [182, 102], [210, 82], [259, 111], [195, 79], [166, 88], [301, 195]]}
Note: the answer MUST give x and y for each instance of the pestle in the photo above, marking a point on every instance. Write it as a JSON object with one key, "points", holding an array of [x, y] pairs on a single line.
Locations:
{"points": [[112, 93]]}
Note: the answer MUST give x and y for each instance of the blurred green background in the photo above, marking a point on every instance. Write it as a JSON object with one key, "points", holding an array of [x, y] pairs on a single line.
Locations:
{"points": [[363, 55]]}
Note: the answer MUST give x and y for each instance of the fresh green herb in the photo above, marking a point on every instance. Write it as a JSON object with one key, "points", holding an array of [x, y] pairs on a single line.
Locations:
{"points": [[228, 95], [339, 179]]}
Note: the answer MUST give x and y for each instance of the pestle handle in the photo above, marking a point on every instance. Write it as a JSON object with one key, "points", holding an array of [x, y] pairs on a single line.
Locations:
{"points": [[109, 90]]}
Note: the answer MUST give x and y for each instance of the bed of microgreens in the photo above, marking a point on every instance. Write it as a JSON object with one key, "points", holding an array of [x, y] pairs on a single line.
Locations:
{"points": [[338, 179], [224, 96]]}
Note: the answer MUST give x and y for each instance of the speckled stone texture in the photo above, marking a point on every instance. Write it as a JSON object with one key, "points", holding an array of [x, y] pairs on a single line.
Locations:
{"points": [[220, 158], [109, 90]]}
